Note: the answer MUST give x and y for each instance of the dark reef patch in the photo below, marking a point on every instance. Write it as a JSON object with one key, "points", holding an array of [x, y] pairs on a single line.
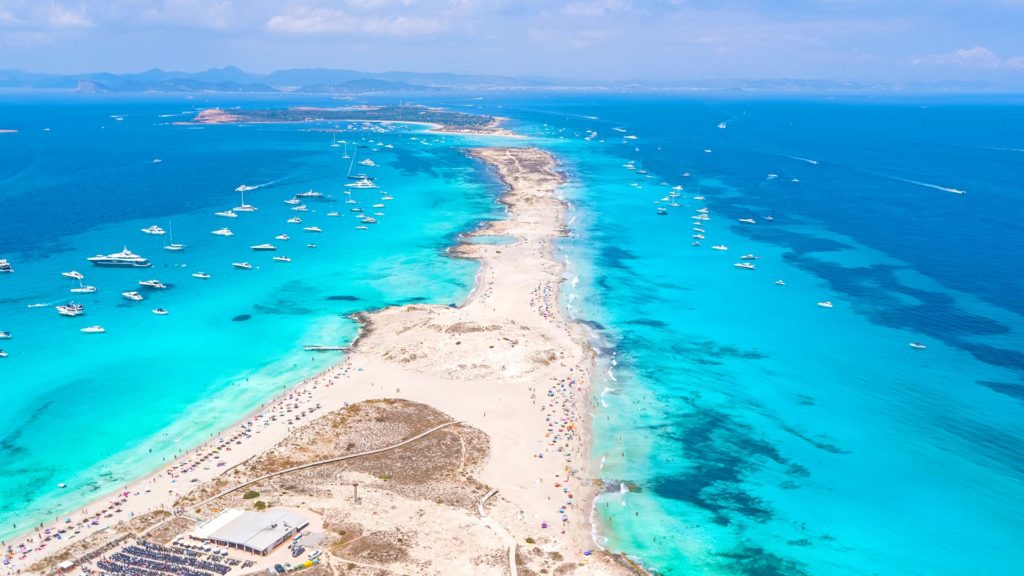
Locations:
{"points": [[756, 561], [344, 298], [241, 318], [614, 257], [1010, 389], [648, 322]]}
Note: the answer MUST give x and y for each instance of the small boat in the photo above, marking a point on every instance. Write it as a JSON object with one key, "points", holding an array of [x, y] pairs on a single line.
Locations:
{"points": [[160, 311], [745, 266], [294, 220], [748, 220], [359, 177], [780, 283], [367, 162], [282, 259], [722, 125], [5, 335], [698, 236], [363, 183], [707, 150], [917, 346], [825, 304], [378, 205], [282, 237], [223, 232], [263, 247], [356, 209], [73, 274], [695, 243], [310, 194], [244, 207], [226, 214], [378, 213], [3, 354], [300, 208], [293, 201], [62, 485], [83, 289], [368, 220], [362, 228], [5, 266], [174, 247], [334, 213], [155, 284], [387, 197], [71, 310], [698, 197], [310, 245], [93, 330], [662, 211], [242, 265], [721, 247], [154, 230], [749, 257], [132, 295], [312, 229], [201, 275]]}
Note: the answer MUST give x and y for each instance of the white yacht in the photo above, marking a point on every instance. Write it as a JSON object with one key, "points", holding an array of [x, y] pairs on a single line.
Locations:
{"points": [[123, 259], [749, 257], [364, 183], [698, 197], [312, 229], [367, 162], [155, 284], [721, 247], [378, 205], [310, 194], [334, 213], [662, 211], [917, 346], [698, 236], [368, 220], [73, 274], [226, 214], [132, 295], [160, 311], [722, 125], [201, 275], [825, 304], [310, 245], [174, 247], [243, 207], [71, 309], [154, 230], [93, 329], [295, 220], [83, 289], [5, 335], [282, 259], [747, 220], [282, 237], [387, 197], [293, 201], [223, 232], [745, 266], [3, 354], [360, 227], [263, 247], [242, 265], [5, 266], [780, 283]]}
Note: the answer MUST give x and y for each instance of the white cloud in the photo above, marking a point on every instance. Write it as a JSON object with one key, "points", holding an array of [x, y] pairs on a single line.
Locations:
{"points": [[595, 8], [61, 17], [1015, 63], [330, 21], [977, 57]]}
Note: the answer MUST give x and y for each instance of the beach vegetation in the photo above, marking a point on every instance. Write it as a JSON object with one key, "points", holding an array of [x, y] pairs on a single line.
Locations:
{"points": [[260, 505], [530, 540], [249, 495]]}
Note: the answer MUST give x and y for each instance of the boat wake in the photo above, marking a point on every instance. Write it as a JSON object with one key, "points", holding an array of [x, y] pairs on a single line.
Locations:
{"points": [[808, 160], [926, 184], [246, 188]]}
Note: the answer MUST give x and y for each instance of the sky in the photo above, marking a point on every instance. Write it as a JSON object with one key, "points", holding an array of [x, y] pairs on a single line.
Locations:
{"points": [[668, 40]]}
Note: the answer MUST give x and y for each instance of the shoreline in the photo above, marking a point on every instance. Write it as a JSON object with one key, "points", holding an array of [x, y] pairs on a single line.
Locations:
{"points": [[155, 491]]}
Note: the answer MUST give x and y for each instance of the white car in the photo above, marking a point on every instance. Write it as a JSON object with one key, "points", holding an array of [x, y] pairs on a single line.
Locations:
{"points": [[314, 555]]}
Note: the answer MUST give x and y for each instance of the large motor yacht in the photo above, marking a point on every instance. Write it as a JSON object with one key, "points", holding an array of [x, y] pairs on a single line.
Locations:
{"points": [[123, 259]]}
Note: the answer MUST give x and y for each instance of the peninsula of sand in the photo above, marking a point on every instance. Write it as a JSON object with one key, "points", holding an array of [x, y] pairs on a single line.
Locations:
{"points": [[450, 440]]}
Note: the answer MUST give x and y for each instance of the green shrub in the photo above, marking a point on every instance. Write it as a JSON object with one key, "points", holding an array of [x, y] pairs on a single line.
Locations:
{"points": [[251, 494]]}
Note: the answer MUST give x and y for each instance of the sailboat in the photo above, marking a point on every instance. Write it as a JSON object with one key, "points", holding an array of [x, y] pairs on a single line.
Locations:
{"points": [[345, 153], [244, 207], [334, 143], [173, 246]]}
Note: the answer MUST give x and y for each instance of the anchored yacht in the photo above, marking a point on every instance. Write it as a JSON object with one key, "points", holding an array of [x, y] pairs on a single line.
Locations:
{"points": [[123, 259], [242, 265], [71, 309], [5, 266], [132, 295], [93, 329], [155, 284], [223, 232], [201, 275], [154, 230], [263, 247]]}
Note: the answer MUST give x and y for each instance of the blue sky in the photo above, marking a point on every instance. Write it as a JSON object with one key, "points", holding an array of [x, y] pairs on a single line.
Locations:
{"points": [[893, 40]]}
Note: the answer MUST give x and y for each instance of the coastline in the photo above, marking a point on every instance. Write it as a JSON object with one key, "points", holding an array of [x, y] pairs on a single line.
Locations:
{"points": [[390, 347]]}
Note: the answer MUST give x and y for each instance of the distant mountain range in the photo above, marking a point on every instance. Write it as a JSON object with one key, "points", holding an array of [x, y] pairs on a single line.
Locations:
{"points": [[327, 81]]}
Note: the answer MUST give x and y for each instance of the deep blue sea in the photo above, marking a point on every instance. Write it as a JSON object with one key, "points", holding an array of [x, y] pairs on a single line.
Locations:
{"points": [[752, 430]]}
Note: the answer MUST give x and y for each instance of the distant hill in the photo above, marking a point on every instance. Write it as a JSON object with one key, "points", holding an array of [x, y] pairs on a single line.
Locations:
{"points": [[328, 81]]}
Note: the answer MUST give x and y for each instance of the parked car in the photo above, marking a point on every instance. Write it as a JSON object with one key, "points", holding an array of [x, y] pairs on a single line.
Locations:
{"points": [[279, 569], [297, 551], [314, 555]]}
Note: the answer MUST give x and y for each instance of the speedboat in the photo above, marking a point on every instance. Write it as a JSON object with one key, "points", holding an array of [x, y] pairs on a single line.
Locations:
{"points": [[293, 201], [154, 230], [300, 208], [93, 329], [223, 232], [334, 213], [749, 257], [310, 245], [662, 211], [698, 236], [387, 197], [721, 247], [5, 266], [263, 247], [745, 266], [312, 229], [362, 228], [71, 309], [707, 150], [780, 283], [748, 220], [123, 259], [378, 205], [83, 289], [3, 354], [73, 274], [155, 284], [242, 265], [310, 194], [282, 237], [160, 311], [282, 259], [917, 346], [5, 335], [294, 220], [226, 214], [368, 220], [132, 295], [825, 304], [201, 275]]}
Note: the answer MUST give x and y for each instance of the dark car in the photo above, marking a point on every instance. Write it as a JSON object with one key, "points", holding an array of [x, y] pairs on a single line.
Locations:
{"points": [[279, 569], [297, 551]]}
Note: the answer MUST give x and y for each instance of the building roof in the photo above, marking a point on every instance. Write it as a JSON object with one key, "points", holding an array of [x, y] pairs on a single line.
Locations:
{"points": [[255, 530]]}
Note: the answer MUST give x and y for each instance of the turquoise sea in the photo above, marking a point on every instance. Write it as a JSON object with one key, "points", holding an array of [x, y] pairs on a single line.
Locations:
{"points": [[740, 427]]}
